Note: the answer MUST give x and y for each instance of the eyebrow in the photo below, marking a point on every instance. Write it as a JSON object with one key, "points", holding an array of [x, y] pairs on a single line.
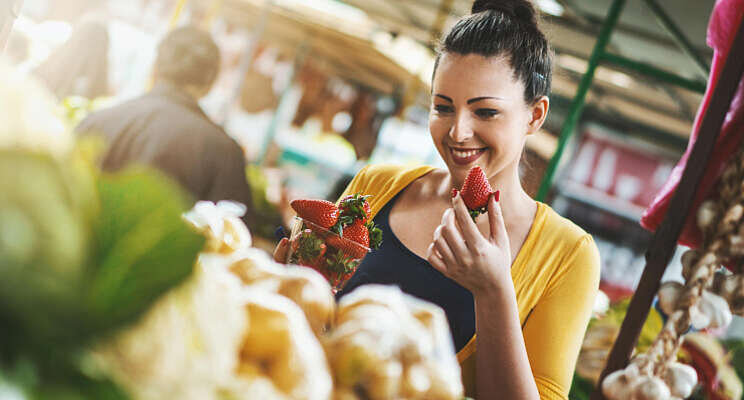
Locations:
{"points": [[477, 99], [471, 101]]}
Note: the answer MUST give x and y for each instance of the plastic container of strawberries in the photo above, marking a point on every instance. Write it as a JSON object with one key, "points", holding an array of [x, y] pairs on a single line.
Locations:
{"points": [[325, 251]]}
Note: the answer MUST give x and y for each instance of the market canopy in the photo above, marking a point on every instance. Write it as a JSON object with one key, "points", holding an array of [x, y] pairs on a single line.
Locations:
{"points": [[340, 39], [572, 27]]}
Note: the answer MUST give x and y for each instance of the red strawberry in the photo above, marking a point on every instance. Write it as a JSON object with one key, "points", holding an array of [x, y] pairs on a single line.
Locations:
{"points": [[357, 232], [353, 207], [350, 244], [475, 192], [347, 247], [319, 212]]}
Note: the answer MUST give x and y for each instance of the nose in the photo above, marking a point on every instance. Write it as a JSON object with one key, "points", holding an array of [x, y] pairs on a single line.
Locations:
{"points": [[462, 129]]}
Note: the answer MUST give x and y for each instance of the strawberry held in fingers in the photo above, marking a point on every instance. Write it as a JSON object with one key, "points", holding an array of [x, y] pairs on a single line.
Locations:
{"points": [[320, 212], [475, 192]]}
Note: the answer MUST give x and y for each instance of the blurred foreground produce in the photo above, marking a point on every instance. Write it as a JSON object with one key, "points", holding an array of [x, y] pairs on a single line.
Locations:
{"points": [[98, 300], [81, 253], [388, 345]]}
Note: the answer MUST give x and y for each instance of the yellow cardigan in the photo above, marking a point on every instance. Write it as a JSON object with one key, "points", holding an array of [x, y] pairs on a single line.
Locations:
{"points": [[555, 275]]}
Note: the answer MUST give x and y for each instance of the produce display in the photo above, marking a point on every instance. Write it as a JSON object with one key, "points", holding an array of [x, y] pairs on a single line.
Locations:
{"points": [[333, 239], [246, 327], [705, 301], [388, 345], [82, 253], [475, 192], [306, 288], [221, 224]]}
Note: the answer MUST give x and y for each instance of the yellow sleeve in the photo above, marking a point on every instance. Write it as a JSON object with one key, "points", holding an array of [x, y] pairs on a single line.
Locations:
{"points": [[383, 182], [555, 328]]}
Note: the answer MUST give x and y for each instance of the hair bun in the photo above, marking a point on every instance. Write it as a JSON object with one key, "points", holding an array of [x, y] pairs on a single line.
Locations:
{"points": [[521, 10]]}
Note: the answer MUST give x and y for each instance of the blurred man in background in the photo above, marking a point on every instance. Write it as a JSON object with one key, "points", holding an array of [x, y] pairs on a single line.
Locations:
{"points": [[167, 129]]}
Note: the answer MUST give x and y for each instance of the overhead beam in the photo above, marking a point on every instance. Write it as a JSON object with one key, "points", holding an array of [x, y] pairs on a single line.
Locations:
{"points": [[684, 43]]}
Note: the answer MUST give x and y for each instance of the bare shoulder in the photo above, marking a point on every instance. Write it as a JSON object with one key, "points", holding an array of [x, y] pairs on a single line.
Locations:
{"points": [[425, 188]]}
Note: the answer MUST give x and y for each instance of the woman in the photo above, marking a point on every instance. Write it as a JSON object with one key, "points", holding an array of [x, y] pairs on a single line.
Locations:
{"points": [[521, 279]]}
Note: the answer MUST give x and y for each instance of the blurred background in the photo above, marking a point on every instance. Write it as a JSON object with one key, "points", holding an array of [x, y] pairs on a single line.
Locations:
{"points": [[313, 90]]}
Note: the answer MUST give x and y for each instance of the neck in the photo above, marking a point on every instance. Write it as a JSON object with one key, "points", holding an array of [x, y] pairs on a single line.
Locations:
{"points": [[513, 197], [189, 90]]}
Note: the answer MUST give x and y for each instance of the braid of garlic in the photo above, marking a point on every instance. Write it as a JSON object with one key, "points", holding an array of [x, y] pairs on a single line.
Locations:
{"points": [[720, 222]]}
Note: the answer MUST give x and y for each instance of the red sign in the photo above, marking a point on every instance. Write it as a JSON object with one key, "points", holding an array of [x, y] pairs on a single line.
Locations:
{"points": [[631, 171]]}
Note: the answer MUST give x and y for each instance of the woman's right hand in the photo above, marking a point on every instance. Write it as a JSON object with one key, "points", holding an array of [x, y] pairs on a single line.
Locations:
{"points": [[280, 252]]}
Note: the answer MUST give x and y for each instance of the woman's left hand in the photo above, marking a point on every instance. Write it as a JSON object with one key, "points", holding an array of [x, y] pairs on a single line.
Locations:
{"points": [[478, 263]]}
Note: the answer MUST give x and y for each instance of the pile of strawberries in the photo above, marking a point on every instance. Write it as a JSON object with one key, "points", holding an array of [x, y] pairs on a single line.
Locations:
{"points": [[334, 239], [475, 192]]}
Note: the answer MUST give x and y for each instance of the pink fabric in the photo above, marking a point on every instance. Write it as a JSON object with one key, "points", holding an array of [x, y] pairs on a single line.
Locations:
{"points": [[726, 17]]}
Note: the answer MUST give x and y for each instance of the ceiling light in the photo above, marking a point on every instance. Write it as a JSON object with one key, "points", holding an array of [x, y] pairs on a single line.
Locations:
{"points": [[551, 7]]}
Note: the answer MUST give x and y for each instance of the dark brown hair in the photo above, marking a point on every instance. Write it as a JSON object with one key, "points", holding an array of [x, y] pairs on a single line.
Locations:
{"points": [[188, 56], [505, 28]]}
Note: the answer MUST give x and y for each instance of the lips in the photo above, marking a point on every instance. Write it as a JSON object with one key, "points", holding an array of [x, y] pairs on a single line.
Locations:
{"points": [[466, 156]]}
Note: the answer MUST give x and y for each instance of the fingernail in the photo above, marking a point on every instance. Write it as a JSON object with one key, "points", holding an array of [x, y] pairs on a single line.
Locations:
{"points": [[454, 192], [496, 195]]}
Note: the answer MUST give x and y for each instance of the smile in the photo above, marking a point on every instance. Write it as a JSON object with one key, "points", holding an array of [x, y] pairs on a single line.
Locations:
{"points": [[466, 156]]}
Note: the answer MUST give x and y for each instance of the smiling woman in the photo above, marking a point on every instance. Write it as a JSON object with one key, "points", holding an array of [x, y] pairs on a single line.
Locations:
{"points": [[523, 279]]}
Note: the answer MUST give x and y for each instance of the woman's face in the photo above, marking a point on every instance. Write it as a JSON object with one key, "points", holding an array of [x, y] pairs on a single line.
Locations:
{"points": [[478, 114]]}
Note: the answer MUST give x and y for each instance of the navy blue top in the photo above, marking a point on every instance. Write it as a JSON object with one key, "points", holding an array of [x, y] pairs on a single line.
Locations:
{"points": [[394, 264]]}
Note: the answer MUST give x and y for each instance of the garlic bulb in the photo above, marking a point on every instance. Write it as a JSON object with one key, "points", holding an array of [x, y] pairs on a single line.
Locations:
{"points": [[650, 388], [698, 319], [717, 308], [728, 287], [689, 258], [711, 311], [669, 294], [706, 214], [681, 379], [734, 214], [618, 385]]}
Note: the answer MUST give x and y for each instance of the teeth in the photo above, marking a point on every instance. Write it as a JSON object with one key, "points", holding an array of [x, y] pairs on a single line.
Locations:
{"points": [[464, 154]]}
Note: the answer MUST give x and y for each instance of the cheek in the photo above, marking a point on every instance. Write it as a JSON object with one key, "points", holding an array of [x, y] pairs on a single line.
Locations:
{"points": [[502, 137], [438, 129]]}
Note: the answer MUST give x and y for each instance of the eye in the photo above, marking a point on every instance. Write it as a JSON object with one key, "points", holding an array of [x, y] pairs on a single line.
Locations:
{"points": [[486, 113], [443, 109]]}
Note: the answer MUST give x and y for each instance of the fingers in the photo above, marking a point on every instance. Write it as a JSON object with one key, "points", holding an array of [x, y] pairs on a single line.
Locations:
{"points": [[496, 223], [450, 232], [469, 229], [442, 245], [280, 252], [435, 259]]}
